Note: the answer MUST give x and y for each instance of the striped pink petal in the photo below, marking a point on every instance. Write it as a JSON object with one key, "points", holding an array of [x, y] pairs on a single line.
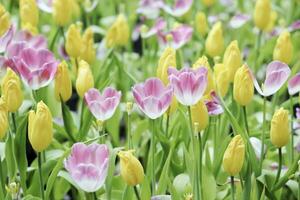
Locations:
{"points": [[180, 8], [294, 84]]}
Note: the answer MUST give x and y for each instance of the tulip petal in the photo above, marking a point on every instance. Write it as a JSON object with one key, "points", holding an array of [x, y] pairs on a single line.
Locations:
{"points": [[6, 39], [239, 20], [294, 84], [179, 9]]}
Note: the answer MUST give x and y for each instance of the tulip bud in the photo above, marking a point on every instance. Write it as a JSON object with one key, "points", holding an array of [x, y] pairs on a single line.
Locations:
{"points": [[280, 132], [283, 50], [74, 41], [214, 44], [62, 12], [199, 115], [88, 52], [132, 170], [29, 15], [234, 155], [262, 13], [4, 20], [3, 118], [201, 23], [11, 90], [85, 79], [243, 87], [203, 62], [40, 127], [208, 3], [167, 59], [221, 78], [232, 59], [118, 33], [272, 21], [63, 84]]}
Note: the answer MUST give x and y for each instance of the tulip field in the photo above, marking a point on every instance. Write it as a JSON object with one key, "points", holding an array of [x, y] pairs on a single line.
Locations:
{"points": [[149, 100]]}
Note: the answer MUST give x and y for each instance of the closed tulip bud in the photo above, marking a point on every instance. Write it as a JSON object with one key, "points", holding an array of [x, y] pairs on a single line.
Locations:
{"points": [[29, 15], [200, 115], [232, 59], [203, 62], [221, 78], [201, 23], [280, 132], [283, 50], [214, 43], [89, 51], [234, 156], [167, 59], [62, 12], [208, 3], [243, 87], [63, 84], [272, 21], [132, 170], [40, 125], [4, 20], [12, 91], [118, 33], [74, 43], [262, 13], [3, 118], [85, 79]]}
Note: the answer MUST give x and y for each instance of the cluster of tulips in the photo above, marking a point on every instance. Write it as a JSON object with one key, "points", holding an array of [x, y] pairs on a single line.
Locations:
{"points": [[86, 114]]}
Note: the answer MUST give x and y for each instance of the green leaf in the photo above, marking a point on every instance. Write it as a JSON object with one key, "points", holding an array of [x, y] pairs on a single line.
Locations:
{"points": [[209, 186], [162, 183], [68, 121], [30, 197], [112, 128], [145, 189], [128, 193], [10, 156]]}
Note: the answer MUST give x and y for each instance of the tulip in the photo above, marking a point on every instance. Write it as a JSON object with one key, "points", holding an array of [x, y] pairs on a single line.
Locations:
{"points": [[180, 8], [283, 50], [3, 118], [203, 62], [294, 84], [262, 13], [12, 91], [201, 23], [243, 88], [131, 169], [208, 3], [234, 155], [280, 132], [221, 79], [40, 125], [104, 105], [167, 59], [37, 67], [74, 43], [4, 20], [29, 15], [85, 79], [89, 51], [213, 104], [62, 12], [200, 115], [118, 33], [63, 83], [272, 22], [152, 97], [214, 44], [232, 59], [88, 165]]}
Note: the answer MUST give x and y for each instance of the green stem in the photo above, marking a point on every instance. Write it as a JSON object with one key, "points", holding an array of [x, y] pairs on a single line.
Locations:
{"points": [[263, 135], [200, 164], [153, 155], [76, 65], [292, 130], [54, 39], [279, 165], [2, 181], [232, 187], [130, 146], [245, 119], [299, 185], [13, 117], [136, 192], [41, 175], [81, 114], [258, 43], [167, 125], [11, 5]]}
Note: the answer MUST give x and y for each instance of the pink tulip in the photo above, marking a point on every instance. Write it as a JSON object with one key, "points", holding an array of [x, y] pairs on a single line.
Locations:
{"points": [[152, 97], [189, 85], [36, 67], [180, 8], [104, 105], [88, 165], [294, 84], [150, 8], [239, 20], [213, 105], [276, 75]]}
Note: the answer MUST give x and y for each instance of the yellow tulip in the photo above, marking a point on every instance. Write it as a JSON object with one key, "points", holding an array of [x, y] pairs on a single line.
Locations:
{"points": [[89, 51], [203, 62], [232, 59], [29, 15], [272, 22], [63, 84], [280, 131], [3, 118], [132, 170], [234, 156], [74, 43], [201, 23], [85, 79], [262, 14], [283, 50], [214, 43], [118, 33], [243, 87], [167, 59], [4, 20], [221, 78], [40, 125], [12, 91], [208, 3], [62, 12], [200, 115]]}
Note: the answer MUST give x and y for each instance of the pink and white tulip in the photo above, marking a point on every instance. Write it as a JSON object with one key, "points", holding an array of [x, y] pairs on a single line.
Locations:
{"points": [[189, 85], [294, 84], [152, 97], [213, 105], [276, 75], [150, 8], [104, 105], [88, 165], [180, 8]]}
